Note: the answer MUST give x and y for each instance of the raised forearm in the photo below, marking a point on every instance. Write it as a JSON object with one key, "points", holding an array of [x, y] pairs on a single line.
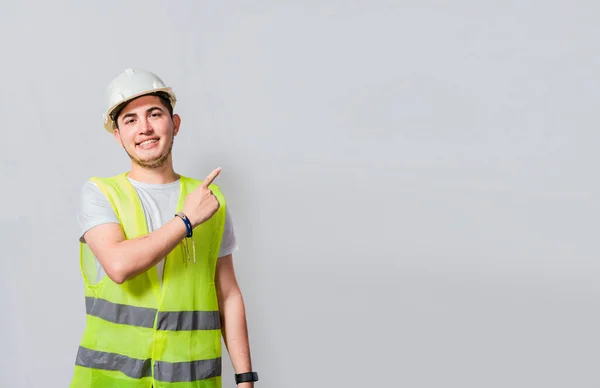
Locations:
{"points": [[235, 333], [132, 257]]}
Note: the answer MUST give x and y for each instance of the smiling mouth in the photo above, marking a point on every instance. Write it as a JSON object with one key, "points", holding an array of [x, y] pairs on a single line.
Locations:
{"points": [[147, 142]]}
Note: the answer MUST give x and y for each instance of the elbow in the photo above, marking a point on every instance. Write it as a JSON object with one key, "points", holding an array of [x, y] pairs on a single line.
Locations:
{"points": [[117, 278], [116, 272]]}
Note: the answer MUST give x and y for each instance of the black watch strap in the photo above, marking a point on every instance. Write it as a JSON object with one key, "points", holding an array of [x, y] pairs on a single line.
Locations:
{"points": [[246, 377]]}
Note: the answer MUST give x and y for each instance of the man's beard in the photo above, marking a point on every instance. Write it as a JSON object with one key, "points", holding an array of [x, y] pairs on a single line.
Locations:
{"points": [[152, 164]]}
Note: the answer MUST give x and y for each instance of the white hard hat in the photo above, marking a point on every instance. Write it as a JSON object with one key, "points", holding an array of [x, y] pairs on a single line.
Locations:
{"points": [[128, 85]]}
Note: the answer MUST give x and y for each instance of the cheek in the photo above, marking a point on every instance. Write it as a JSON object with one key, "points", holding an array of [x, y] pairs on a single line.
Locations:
{"points": [[127, 142], [128, 138], [163, 128]]}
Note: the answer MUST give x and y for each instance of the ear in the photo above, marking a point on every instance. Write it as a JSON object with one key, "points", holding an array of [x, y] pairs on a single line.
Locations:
{"points": [[176, 124], [117, 136]]}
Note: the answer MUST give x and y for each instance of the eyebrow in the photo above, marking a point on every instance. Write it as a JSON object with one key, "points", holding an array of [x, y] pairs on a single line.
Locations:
{"points": [[147, 111]]}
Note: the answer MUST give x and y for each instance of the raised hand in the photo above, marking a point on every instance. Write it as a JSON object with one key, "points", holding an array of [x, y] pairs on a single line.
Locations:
{"points": [[201, 204]]}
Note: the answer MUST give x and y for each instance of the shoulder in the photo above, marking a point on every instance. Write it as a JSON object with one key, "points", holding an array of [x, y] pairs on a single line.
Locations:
{"points": [[92, 193], [107, 185], [94, 208], [98, 190], [110, 180], [89, 188]]}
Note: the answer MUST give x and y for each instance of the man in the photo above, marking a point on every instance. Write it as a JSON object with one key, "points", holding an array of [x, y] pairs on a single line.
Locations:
{"points": [[156, 259]]}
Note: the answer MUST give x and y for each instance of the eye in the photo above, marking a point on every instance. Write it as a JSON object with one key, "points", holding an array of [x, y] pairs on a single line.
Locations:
{"points": [[156, 114], [128, 121]]}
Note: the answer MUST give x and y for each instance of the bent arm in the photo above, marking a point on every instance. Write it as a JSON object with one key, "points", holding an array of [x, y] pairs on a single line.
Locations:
{"points": [[123, 259], [233, 317]]}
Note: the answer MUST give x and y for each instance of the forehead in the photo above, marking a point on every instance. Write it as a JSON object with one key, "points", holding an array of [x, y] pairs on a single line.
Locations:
{"points": [[143, 103]]}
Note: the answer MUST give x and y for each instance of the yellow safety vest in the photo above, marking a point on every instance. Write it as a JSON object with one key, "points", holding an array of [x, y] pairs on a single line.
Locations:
{"points": [[138, 334]]}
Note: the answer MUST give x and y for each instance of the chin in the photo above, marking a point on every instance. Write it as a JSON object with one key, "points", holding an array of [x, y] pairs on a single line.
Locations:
{"points": [[152, 163], [150, 159]]}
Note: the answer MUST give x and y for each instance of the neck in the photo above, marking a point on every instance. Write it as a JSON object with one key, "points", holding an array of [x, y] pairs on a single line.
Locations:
{"points": [[160, 175]]}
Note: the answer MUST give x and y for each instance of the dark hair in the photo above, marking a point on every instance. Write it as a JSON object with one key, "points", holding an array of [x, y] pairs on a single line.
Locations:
{"points": [[164, 99]]}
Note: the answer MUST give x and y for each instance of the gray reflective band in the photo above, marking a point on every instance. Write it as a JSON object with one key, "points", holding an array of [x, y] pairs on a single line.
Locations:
{"points": [[137, 369], [132, 367], [189, 320], [144, 317], [120, 313], [187, 371]]}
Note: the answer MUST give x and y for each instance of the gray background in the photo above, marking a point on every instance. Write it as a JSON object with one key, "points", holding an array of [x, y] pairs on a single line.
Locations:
{"points": [[413, 183]]}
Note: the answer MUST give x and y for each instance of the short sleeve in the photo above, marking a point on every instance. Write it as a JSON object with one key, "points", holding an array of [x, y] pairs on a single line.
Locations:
{"points": [[229, 242], [94, 209]]}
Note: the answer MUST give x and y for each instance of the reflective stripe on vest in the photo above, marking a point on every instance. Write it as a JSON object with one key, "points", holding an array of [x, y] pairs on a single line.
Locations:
{"points": [[137, 369], [144, 317]]}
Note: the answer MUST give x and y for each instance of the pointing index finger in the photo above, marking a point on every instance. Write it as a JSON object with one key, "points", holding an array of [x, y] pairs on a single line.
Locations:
{"points": [[211, 177]]}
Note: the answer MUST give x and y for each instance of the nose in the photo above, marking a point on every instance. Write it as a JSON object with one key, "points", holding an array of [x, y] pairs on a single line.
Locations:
{"points": [[145, 126]]}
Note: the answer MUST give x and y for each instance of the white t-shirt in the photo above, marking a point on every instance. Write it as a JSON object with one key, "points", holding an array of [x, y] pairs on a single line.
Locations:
{"points": [[159, 202]]}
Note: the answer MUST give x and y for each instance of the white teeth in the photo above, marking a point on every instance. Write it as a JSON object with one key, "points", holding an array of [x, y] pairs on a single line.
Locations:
{"points": [[148, 141]]}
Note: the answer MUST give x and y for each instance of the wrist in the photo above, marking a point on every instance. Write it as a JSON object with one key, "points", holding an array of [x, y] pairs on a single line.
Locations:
{"points": [[193, 220], [246, 379], [189, 226]]}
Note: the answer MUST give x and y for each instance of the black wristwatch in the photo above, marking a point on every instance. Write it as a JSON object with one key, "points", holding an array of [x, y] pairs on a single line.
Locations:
{"points": [[245, 377]]}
